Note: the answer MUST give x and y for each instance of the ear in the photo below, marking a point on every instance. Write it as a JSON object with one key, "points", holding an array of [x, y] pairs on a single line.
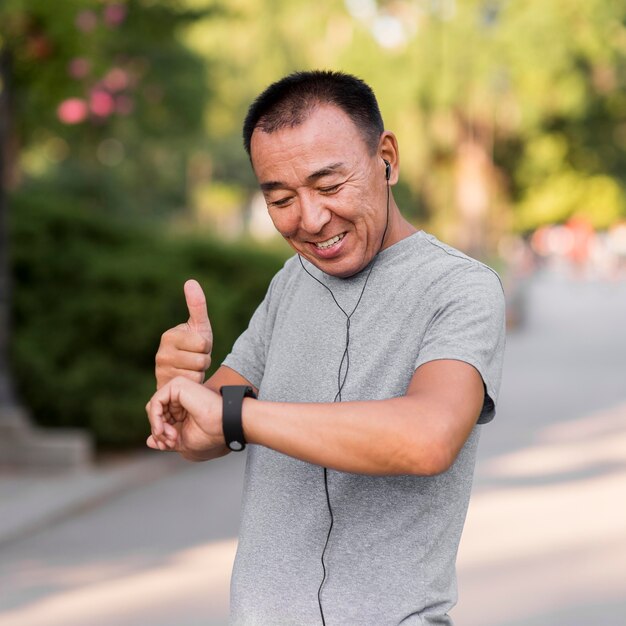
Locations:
{"points": [[388, 151]]}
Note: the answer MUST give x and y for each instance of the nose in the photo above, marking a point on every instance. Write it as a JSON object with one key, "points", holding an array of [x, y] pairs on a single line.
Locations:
{"points": [[314, 215]]}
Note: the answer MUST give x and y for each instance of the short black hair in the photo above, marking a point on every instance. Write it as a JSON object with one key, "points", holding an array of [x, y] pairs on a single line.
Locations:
{"points": [[289, 102]]}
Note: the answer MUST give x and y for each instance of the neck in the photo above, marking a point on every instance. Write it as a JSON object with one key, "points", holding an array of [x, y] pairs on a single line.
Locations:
{"points": [[398, 227]]}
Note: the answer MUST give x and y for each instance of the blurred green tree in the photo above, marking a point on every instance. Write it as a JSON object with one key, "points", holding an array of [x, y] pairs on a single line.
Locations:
{"points": [[105, 99], [99, 293], [477, 91], [500, 97], [101, 101]]}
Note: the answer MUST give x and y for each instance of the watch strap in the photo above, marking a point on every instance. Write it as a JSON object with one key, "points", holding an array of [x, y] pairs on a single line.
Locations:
{"points": [[232, 401]]}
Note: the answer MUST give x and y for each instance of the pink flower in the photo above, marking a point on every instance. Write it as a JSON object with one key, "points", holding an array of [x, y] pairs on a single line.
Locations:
{"points": [[116, 79], [114, 14], [79, 67], [101, 103], [72, 111], [86, 21]]}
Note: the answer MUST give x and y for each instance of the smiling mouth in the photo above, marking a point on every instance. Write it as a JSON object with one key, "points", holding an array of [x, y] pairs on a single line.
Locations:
{"points": [[322, 245]]}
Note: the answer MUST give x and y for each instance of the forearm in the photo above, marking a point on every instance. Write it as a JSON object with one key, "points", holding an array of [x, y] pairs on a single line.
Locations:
{"points": [[384, 437], [419, 433]]}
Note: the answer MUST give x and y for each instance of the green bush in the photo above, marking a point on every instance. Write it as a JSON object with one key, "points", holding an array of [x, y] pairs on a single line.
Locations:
{"points": [[91, 297]]}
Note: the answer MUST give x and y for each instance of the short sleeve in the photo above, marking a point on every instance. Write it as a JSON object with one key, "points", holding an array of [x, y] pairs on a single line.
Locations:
{"points": [[249, 352], [468, 324]]}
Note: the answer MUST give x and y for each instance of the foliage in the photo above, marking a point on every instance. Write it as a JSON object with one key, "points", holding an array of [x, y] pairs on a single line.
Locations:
{"points": [[105, 92], [92, 297], [566, 194], [496, 75]]}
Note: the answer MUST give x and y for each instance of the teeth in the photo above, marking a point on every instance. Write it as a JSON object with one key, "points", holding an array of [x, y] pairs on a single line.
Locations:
{"points": [[329, 242]]}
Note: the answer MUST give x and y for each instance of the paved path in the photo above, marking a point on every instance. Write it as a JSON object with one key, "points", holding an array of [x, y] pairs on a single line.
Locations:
{"points": [[158, 554], [545, 540]]}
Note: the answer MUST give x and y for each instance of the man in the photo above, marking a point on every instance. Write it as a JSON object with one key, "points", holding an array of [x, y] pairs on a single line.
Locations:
{"points": [[375, 354]]}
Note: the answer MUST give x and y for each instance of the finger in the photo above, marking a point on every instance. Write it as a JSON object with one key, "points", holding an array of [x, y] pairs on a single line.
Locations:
{"points": [[155, 444], [154, 409], [184, 398], [179, 338], [183, 360], [164, 409], [182, 339], [167, 375], [169, 431], [196, 304]]}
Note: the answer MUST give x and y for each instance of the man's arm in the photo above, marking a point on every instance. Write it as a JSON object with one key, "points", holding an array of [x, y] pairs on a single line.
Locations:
{"points": [[420, 433], [227, 376]]}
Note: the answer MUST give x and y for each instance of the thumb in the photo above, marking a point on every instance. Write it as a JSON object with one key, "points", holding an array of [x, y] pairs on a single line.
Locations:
{"points": [[196, 304]]}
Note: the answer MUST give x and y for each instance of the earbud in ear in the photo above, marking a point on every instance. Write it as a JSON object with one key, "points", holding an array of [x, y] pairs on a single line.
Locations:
{"points": [[387, 169]]}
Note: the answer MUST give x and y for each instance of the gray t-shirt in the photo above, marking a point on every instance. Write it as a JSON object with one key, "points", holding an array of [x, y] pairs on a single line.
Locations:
{"points": [[392, 550]]}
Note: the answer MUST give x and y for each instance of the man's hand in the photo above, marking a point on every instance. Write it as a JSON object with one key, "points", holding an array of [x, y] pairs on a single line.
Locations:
{"points": [[186, 417], [185, 350]]}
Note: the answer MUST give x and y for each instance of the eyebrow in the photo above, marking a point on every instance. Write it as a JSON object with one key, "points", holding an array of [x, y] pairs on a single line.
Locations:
{"points": [[324, 171]]}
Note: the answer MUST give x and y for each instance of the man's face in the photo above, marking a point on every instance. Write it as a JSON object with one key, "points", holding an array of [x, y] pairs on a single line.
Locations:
{"points": [[325, 192]]}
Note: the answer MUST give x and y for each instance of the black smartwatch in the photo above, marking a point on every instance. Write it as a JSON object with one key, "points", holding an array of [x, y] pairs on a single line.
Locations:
{"points": [[232, 399]]}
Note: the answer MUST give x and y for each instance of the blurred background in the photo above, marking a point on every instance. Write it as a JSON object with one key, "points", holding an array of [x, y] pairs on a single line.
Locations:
{"points": [[123, 174]]}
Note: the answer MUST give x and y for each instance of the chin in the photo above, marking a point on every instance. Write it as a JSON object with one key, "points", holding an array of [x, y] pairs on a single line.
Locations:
{"points": [[339, 270], [340, 267]]}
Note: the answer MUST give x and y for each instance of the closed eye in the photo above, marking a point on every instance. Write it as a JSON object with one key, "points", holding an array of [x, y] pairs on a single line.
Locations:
{"points": [[280, 202], [330, 190]]}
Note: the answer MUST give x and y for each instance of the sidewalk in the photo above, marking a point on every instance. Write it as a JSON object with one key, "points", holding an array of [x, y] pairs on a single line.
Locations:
{"points": [[145, 541], [545, 538], [32, 501]]}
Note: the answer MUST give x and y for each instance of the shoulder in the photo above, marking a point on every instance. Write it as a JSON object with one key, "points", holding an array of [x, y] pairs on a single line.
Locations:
{"points": [[284, 279], [454, 272]]}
